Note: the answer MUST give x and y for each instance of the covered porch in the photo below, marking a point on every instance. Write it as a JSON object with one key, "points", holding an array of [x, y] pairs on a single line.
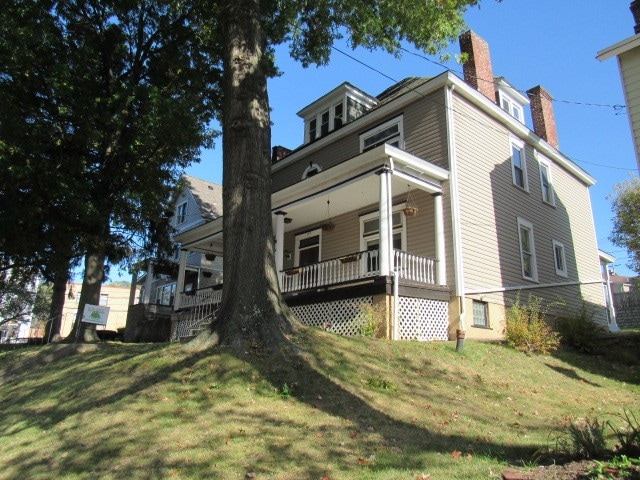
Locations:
{"points": [[348, 225]]}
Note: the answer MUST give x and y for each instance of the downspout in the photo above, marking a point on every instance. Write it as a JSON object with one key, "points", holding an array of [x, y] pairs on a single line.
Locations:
{"points": [[455, 218]]}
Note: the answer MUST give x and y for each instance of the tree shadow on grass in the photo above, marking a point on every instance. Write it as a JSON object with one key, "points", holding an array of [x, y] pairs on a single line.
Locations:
{"points": [[372, 437], [307, 384]]}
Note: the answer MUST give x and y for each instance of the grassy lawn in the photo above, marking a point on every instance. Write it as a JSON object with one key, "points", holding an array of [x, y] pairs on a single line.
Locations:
{"points": [[348, 408]]}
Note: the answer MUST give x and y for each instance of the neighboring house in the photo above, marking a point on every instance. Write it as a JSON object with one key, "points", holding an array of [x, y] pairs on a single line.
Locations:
{"points": [[628, 54], [114, 297], [625, 296], [150, 311], [433, 200]]}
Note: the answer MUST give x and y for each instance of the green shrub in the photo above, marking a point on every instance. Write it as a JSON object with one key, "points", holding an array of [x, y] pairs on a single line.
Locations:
{"points": [[373, 318], [579, 330], [628, 434], [583, 438], [526, 329]]}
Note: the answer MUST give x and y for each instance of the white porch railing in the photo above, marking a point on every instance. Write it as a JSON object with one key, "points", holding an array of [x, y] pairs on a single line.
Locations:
{"points": [[353, 267], [199, 308], [415, 268], [204, 296]]}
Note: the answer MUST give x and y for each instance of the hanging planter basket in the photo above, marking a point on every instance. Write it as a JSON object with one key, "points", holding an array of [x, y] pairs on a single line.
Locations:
{"points": [[328, 227], [410, 209]]}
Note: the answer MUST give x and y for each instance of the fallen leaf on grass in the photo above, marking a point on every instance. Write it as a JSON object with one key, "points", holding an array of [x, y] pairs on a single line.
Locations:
{"points": [[424, 476], [456, 454]]}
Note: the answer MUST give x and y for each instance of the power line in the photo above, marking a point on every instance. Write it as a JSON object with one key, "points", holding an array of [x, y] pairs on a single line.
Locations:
{"points": [[388, 77], [617, 108]]}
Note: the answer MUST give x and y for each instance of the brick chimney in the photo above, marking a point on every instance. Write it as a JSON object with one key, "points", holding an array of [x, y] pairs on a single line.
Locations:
{"points": [[278, 153], [635, 11], [477, 69], [544, 122]]}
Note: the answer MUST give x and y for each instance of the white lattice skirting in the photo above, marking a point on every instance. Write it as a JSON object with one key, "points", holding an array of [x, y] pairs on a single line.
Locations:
{"points": [[339, 316], [420, 319], [423, 319]]}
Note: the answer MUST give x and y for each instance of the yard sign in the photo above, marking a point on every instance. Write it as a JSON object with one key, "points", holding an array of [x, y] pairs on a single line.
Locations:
{"points": [[95, 314]]}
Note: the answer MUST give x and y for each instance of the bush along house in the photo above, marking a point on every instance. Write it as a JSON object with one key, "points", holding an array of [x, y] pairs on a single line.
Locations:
{"points": [[425, 211]]}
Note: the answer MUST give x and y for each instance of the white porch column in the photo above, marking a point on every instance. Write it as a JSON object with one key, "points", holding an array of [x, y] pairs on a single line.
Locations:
{"points": [[180, 282], [386, 235], [279, 253], [148, 281], [441, 262]]}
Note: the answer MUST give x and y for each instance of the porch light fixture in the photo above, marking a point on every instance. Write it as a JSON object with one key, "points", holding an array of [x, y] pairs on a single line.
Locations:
{"points": [[328, 226], [410, 209]]}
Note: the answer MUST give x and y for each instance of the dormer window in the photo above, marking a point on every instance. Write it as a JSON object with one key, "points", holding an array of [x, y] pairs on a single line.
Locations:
{"points": [[511, 100], [332, 111], [509, 105]]}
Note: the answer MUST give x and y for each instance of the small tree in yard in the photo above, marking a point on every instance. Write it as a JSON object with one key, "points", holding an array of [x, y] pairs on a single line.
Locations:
{"points": [[626, 223], [253, 312]]}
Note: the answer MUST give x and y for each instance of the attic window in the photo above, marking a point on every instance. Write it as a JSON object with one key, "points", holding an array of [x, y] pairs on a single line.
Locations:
{"points": [[511, 106], [311, 170], [389, 132]]}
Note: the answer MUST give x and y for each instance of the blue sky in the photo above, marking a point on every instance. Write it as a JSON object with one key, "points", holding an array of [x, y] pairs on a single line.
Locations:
{"points": [[552, 43]]}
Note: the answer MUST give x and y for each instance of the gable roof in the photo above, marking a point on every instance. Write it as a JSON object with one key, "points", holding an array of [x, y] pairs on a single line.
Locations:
{"points": [[208, 196]]}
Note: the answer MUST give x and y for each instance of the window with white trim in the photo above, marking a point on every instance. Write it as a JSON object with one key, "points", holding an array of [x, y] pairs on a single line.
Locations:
{"points": [[104, 299], [560, 259], [527, 250], [181, 213], [519, 164], [370, 234], [308, 246], [480, 314], [512, 107], [325, 122], [546, 184], [390, 132]]}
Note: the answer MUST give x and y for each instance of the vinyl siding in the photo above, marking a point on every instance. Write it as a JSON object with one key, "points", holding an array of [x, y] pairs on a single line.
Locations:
{"points": [[630, 71], [490, 205], [345, 238], [424, 136]]}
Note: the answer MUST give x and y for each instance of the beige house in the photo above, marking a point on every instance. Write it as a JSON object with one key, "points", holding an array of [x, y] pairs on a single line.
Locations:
{"points": [[627, 52], [433, 200], [111, 296]]}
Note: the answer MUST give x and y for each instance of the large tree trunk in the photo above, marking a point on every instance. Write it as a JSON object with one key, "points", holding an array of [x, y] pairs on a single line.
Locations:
{"points": [[90, 294], [52, 329], [253, 313]]}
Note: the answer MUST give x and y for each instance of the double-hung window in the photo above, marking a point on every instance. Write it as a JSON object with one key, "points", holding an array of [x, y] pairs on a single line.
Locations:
{"points": [[548, 195], [370, 235], [560, 259], [519, 164], [527, 250], [181, 213]]}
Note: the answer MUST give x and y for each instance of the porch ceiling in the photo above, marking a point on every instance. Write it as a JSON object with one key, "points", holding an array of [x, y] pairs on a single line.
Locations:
{"points": [[347, 186]]}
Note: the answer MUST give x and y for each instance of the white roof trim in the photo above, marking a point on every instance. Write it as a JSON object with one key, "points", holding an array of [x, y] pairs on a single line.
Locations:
{"points": [[619, 48]]}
